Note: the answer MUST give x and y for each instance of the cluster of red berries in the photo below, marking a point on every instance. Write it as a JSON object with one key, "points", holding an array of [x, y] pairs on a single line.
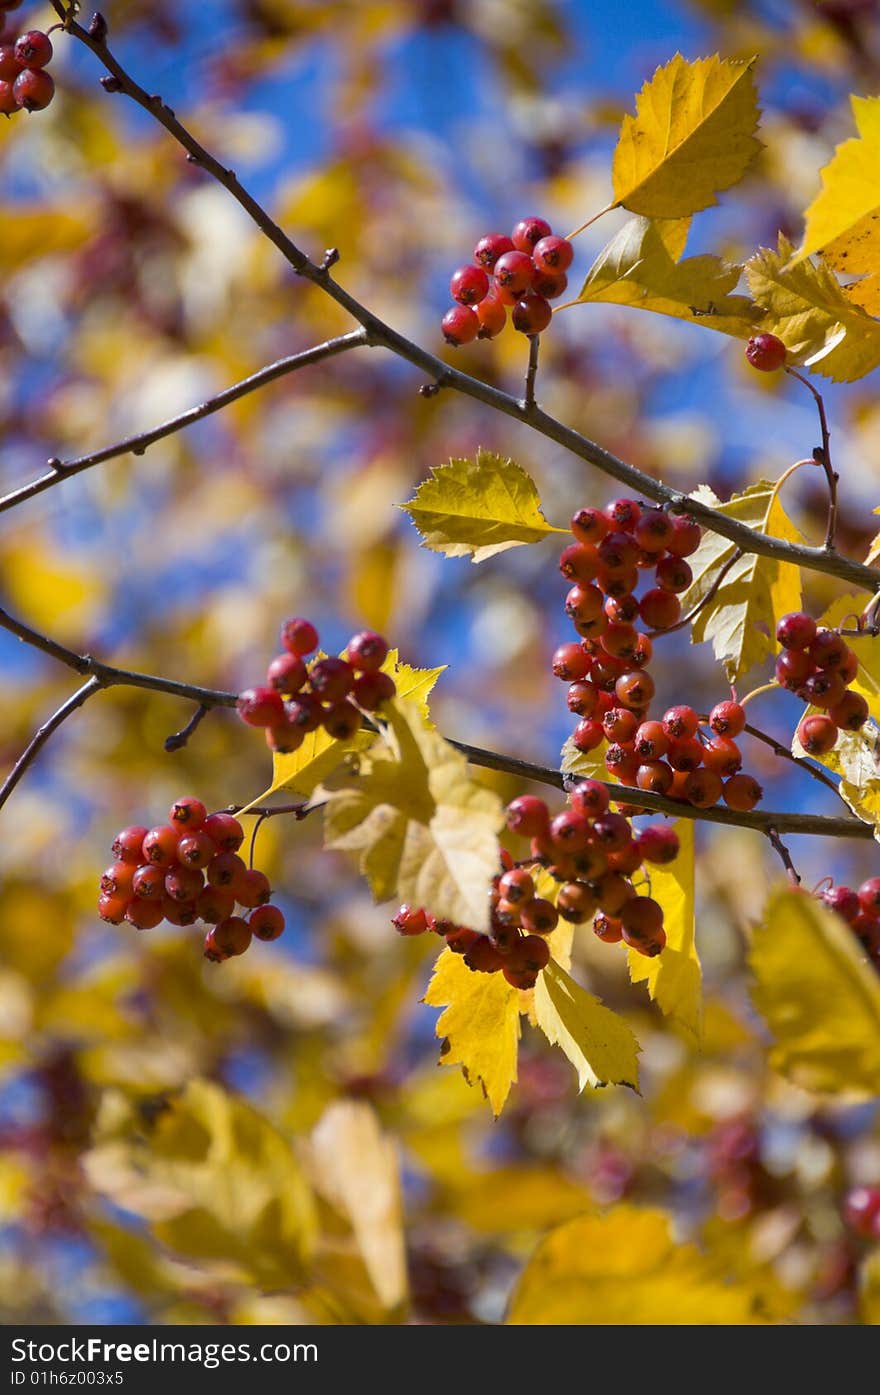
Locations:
{"points": [[514, 944], [818, 665], [861, 911], [330, 693], [24, 83], [609, 689], [185, 870], [525, 271]]}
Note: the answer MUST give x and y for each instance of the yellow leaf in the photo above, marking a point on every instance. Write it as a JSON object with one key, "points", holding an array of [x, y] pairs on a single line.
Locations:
{"points": [[819, 997], [741, 618], [874, 549], [623, 1268], [869, 1289], [587, 763], [843, 221], [867, 650], [40, 232], [57, 591], [358, 1169], [517, 1198], [636, 269], [692, 136], [477, 508], [673, 978], [806, 308], [421, 826], [866, 294], [215, 1182], [319, 755], [599, 1044], [480, 1027], [856, 761]]}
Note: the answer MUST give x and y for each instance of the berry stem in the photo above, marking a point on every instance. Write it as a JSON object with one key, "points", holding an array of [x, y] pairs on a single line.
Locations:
{"points": [[785, 754], [785, 855], [531, 375], [822, 456], [609, 208], [704, 600], [756, 692], [178, 740], [136, 445], [637, 481], [42, 734]]}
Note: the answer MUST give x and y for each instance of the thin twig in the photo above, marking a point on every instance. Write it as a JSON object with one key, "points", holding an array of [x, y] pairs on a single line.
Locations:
{"points": [[822, 456], [635, 480], [713, 591], [178, 739], [531, 375], [270, 811], [609, 208], [785, 855], [42, 734], [136, 445]]}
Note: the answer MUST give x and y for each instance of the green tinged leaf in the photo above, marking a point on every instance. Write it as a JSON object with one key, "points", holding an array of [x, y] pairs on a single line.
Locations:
{"points": [[600, 1045], [478, 508], [637, 269], [741, 617], [819, 996]]}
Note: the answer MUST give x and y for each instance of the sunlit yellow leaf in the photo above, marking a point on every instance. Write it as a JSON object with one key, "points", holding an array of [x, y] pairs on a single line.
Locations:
{"points": [[674, 978], [357, 1168], [806, 308], [478, 508], [869, 1289], [480, 1027], [587, 763], [623, 1268], [636, 269], [843, 221], [516, 1199], [819, 996], [692, 136], [741, 618], [599, 1044], [55, 589], [421, 826], [40, 232]]}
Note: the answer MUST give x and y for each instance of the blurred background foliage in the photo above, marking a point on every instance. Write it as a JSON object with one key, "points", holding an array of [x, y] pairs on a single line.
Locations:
{"points": [[270, 1140]]}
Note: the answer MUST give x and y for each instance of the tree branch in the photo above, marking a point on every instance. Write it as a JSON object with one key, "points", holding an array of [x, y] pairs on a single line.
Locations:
{"points": [[635, 480], [785, 855], [42, 734], [62, 469]]}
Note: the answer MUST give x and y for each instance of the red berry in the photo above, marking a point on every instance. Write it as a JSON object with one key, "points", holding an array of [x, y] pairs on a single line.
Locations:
{"points": [[117, 880], [160, 845], [492, 315], [128, 844], [703, 788], [722, 755], [653, 530], [187, 814], [848, 670], [583, 699], [342, 720], [869, 895], [517, 886], [113, 908], [226, 870], [33, 50], [196, 849], [658, 844], [766, 352], [619, 640], [539, 917], [673, 574], [622, 610], [587, 735], [553, 253], [618, 584], [284, 738], [612, 832], [410, 921], [490, 248], [862, 1211], [179, 912], [686, 536], [34, 89], [850, 713], [252, 889], [460, 325], [685, 754], [372, 689], [589, 797], [528, 233], [148, 882], [532, 314], [822, 689], [469, 285], [576, 902], [260, 707], [589, 525], [213, 904], [571, 663], [793, 667], [579, 562], [305, 712], [461, 938], [844, 901], [643, 652], [634, 689], [584, 603], [655, 776], [523, 979], [331, 679], [550, 285], [9, 64], [623, 514], [266, 922], [532, 953], [608, 928], [660, 609], [742, 792], [817, 734], [286, 673], [145, 914], [642, 917], [829, 649], [570, 831], [229, 937], [796, 630], [727, 718], [680, 721], [513, 272], [650, 741], [620, 725], [225, 830], [299, 636], [8, 105], [618, 551], [184, 884], [483, 957], [529, 816], [622, 762]]}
